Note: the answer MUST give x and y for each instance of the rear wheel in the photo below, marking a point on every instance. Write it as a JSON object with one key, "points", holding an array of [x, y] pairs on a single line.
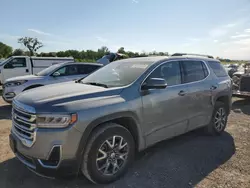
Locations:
{"points": [[108, 154], [219, 119]]}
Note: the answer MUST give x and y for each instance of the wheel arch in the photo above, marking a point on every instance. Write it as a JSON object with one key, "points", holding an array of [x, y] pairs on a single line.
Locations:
{"points": [[125, 119], [226, 99]]}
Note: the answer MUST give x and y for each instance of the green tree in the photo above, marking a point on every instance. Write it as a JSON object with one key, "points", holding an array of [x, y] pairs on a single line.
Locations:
{"points": [[102, 51], [121, 50], [18, 52], [61, 54], [5, 50], [31, 43]]}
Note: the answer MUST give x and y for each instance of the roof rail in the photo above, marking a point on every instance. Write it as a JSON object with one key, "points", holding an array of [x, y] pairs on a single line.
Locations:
{"points": [[182, 54]]}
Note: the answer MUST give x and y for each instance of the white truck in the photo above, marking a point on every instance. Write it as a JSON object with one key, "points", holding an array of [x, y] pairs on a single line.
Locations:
{"points": [[25, 65]]}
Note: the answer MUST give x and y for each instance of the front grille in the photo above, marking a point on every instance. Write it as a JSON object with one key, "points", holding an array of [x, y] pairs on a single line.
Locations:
{"points": [[24, 124], [245, 83]]}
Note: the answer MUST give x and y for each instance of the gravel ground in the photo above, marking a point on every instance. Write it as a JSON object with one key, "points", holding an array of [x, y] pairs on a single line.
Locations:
{"points": [[191, 160]]}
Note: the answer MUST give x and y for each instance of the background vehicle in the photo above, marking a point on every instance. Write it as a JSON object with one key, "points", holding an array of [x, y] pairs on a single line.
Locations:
{"points": [[96, 125], [25, 65], [58, 73], [111, 57], [241, 80]]}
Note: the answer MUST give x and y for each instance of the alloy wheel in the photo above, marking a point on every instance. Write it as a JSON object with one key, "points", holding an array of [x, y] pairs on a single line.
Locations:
{"points": [[220, 119], [112, 155]]}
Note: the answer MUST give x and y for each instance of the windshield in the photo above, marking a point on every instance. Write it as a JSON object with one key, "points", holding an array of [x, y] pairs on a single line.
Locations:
{"points": [[3, 62], [117, 74], [48, 70]]}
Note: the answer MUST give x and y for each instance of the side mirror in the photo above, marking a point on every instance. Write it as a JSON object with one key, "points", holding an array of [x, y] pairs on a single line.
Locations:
{"points": [[154, 83], [56, 74]]}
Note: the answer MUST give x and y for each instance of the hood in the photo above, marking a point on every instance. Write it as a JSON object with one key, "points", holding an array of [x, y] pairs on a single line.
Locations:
{"points": [[27, 77], [66, 96]]}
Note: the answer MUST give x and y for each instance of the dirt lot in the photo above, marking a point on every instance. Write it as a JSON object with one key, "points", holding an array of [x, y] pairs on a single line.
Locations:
{"points": [[191, 160]]}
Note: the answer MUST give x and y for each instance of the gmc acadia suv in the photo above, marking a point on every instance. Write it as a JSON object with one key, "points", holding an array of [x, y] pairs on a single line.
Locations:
{"points": [[96, 125]]}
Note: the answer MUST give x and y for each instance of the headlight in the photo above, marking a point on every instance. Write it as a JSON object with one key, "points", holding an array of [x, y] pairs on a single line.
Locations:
{"points": [[15, 83], [55, 121]]}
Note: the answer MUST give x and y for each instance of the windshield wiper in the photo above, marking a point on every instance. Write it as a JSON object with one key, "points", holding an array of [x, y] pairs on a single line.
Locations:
{"points": [[96, 84]]}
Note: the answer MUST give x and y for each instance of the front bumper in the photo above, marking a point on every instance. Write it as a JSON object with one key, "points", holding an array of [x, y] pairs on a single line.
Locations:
{"points": [[237, 93], [9, 93], [50, 156]]}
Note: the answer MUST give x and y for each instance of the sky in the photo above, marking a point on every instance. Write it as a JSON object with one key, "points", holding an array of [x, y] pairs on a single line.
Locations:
{"points": [[215, 27]]}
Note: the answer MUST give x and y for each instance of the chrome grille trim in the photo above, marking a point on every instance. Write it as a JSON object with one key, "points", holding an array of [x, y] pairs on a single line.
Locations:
{"points": [[24, 129], [24, 123], [30, 138]]}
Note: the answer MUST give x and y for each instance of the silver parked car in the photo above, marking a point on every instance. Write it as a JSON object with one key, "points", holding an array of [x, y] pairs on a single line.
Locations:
{"points": [[96, 125], [57, 73]]}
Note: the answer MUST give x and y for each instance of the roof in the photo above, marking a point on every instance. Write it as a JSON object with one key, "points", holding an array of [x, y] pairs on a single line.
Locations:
{"points": [[153, 59], [144, 60], [83, 63], [34, 57], [193, 57]]}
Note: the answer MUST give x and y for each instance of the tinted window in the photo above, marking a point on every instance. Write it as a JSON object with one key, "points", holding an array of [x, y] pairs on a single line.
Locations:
{"points": [[72, 70], [68, 70], [218, 69], [87, 69], [169, 71], [16, 63], [193, 71]]}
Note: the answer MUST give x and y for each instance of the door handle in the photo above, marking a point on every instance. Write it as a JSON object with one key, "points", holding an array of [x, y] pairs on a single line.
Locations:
{"points": [[213, 87], [181, 93], [27, 70]]}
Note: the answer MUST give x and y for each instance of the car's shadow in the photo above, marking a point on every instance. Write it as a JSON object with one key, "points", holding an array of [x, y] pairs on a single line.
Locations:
{"points": [[5, 111], [241, 106], [180, 162]]}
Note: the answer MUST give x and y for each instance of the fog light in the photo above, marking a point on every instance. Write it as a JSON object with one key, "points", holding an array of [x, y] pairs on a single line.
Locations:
{"points": [[54, 158], [10, 95]]}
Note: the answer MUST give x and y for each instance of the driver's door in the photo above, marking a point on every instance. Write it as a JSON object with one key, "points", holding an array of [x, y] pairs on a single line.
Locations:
{"points": [[66, 73], [15, 67], [165, 112]]}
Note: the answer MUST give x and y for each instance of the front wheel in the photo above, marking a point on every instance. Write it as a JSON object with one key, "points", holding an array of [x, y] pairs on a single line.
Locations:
{"points": [[218, 121], [108, 154]]}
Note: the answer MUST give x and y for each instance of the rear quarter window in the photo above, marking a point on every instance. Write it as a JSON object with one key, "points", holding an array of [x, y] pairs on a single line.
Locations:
{"points": [[217, 68]]}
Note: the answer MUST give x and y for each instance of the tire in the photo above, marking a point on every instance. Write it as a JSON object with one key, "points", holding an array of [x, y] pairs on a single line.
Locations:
{"points": [[214, 127], [99, 172]]}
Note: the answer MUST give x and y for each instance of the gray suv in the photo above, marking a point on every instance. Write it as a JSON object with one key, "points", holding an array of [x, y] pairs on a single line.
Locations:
{"points": [[96, 125]]}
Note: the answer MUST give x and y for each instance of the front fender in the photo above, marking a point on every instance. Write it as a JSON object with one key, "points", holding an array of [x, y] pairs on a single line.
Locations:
{"points": [[100, 121]]}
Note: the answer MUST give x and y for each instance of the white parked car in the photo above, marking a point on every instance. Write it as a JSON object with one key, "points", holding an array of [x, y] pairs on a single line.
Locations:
{"points": [[25, 65], [58, 73]]}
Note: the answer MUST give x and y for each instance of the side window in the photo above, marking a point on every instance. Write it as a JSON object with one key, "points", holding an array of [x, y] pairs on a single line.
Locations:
{"points": [[218, 69], [16, 63], [87, 69], [169, 71], [194, 71], [72, 70], [68, 70], [62, 71]]}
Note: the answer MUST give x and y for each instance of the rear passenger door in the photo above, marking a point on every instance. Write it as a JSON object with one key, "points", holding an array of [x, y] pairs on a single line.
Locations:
{"points": [[196, 77]]}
